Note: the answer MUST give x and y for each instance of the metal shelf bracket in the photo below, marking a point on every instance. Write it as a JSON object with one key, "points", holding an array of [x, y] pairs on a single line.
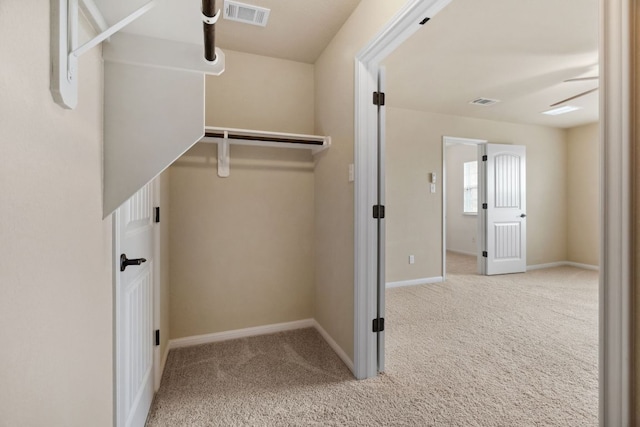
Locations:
{"points": [[64, 43]]}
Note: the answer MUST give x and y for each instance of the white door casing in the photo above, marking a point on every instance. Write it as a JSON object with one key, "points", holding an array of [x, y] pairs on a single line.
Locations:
{"points": [[367, 63], [381, 282], [134, 289], [506, 199]]}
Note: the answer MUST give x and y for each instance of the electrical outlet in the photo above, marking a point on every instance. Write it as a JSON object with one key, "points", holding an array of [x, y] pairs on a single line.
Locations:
{"points": [[412, 259]]}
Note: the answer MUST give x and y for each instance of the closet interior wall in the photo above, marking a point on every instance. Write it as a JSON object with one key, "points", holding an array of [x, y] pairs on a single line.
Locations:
{"points": [[242, 247]]}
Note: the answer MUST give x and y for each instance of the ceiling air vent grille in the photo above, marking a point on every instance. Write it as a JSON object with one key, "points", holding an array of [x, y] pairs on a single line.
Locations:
{"points": [[484, 101], [246, 13]]}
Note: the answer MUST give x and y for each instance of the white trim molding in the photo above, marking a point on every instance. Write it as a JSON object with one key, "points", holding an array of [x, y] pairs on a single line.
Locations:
{"points": [[455, 251], [583, 266], [163, 363], [562, 264], [367, 65], [240, 333], [334, 345], [415, 282], [615, 201], [546, 265]]}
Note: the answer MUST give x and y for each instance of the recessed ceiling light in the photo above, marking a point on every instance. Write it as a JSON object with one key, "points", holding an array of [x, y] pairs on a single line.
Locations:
{"points": [[561, 110]]}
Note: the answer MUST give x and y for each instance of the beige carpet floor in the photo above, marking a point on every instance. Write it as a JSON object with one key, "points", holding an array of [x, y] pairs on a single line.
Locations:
{"points": [[514, 350]]}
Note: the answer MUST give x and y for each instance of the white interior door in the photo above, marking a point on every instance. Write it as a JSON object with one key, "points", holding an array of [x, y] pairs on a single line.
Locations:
{"points": [[134, 308], [506, 225]]}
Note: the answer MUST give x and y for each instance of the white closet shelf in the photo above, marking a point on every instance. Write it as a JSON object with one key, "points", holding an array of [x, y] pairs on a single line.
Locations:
{"points": [[226, 136]]}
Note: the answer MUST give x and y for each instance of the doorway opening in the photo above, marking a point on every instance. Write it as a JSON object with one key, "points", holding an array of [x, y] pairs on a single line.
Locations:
{"points": [[461, 226], [615, 209]]}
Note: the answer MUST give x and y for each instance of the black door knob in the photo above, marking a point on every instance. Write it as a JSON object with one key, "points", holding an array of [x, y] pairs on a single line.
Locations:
{"points": [[124, 262], [523, 216]]}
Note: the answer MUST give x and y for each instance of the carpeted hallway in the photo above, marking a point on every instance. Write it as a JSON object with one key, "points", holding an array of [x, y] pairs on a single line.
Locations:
{"points": [[514, 350]]}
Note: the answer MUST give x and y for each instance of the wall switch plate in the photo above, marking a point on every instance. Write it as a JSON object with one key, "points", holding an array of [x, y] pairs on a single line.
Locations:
{"points": [[433, 188], [412, 259], [351, 172]]}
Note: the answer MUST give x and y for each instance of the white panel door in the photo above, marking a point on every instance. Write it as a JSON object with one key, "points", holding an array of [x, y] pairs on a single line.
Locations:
{"points": [[134, 309], [506, 227]]}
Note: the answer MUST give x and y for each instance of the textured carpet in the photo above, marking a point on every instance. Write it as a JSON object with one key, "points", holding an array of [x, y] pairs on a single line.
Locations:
{"points": [[515, 350]]}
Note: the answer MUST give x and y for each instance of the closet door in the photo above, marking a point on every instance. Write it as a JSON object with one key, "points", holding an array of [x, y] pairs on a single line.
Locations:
{"points": [[134, 285]]}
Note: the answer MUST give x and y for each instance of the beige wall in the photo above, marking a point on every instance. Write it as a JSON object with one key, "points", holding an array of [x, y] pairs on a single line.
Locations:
{"points": [[413, 211], [583, 184], [334, 107], [242, 247], [462, 229], [55, 250], [262, 93]]}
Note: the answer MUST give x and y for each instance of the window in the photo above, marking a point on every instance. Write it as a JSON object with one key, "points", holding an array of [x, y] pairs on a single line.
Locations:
{"points": [[471, 187]]}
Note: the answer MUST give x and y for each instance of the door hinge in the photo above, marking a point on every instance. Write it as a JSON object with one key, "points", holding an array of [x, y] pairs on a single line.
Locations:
{"points": [[485, 254], [156, 214], [378, 324], [378, 98], [484, 206], [157, 337], [378, 211], [485, 158]]}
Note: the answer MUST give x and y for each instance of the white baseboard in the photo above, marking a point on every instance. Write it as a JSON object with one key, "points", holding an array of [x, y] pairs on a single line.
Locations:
{"points": [[563, 264], [583, 266], [455, 251], [336, 348], [240, 333], [414, 282], [547, 265], [163, 363]]}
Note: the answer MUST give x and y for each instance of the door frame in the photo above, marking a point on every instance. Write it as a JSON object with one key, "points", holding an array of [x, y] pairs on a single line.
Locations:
{"points": [[367, 64], [615, 189], [447, 141]]}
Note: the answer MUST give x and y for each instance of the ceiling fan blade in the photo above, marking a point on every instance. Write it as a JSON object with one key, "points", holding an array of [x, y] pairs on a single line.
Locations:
{"points": [[573, 97], [581, 79]]}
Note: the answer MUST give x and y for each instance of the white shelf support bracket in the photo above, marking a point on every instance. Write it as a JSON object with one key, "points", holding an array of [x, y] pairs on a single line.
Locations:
{"points": [[223, 156], [64, 45], [224, 137]]}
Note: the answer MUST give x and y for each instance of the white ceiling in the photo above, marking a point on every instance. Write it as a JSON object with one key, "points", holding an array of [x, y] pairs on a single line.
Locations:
{"points": [[516, 51], [298, 30]]}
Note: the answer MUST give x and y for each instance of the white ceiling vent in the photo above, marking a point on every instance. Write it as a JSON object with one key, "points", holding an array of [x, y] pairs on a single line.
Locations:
{"points": [[484, 101], [246, 13]]}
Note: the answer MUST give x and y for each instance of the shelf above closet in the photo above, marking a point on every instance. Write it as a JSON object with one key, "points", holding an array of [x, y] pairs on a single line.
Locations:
{"points": [[227, 136]]}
